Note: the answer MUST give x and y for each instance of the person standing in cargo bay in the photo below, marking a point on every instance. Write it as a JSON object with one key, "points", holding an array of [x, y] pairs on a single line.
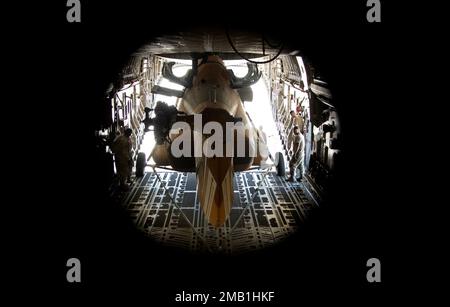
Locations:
{"points": [[298, 153], [296, 120], [121, 148]]}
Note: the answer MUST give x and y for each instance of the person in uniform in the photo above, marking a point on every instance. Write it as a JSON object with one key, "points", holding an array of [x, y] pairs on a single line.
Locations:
{"points": [[121, 149], [298, 153]]}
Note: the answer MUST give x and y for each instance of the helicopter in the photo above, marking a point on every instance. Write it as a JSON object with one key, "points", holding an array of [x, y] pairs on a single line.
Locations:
{"points": [[208, 131]]}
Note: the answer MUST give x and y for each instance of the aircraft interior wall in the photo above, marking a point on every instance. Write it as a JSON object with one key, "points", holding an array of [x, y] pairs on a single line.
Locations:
{"points": [[289, 86]]}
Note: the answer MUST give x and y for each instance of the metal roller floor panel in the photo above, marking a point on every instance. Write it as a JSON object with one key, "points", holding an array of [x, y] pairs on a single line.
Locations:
{"points": [[274, 214]]}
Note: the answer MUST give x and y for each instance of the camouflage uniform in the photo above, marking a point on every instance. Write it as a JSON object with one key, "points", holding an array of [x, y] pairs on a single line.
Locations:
{"points": [[121, 148], [295, 121], [298, 153]]}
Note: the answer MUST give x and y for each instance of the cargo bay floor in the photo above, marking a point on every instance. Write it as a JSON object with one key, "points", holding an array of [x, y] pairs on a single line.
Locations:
{"points": [[275, 212]]}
